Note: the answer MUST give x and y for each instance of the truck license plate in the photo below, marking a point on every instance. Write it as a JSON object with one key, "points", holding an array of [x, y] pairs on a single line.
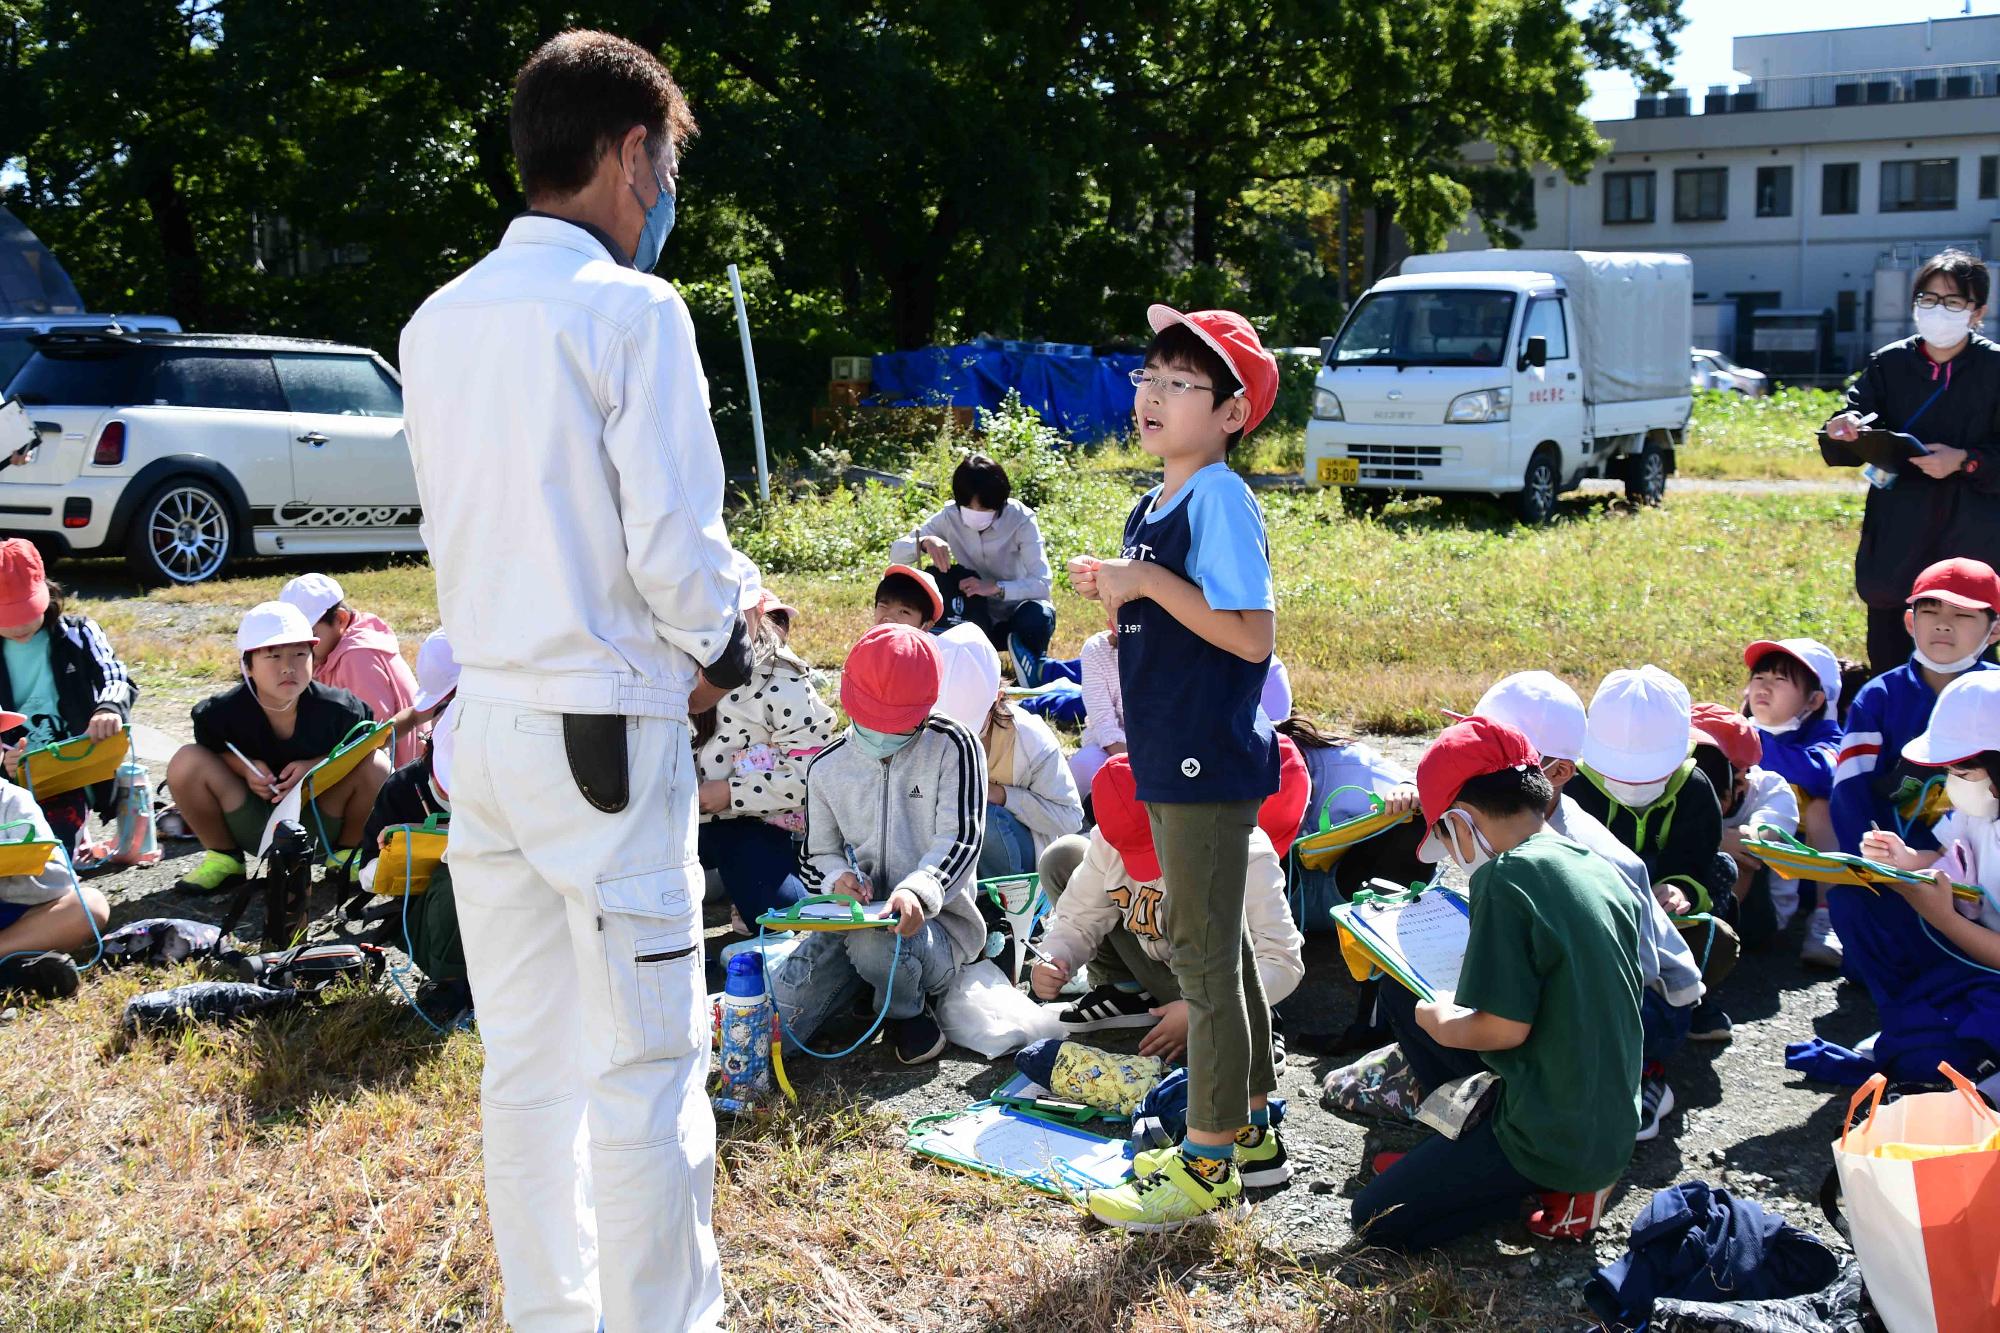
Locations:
{"points": [[1339, 471]]}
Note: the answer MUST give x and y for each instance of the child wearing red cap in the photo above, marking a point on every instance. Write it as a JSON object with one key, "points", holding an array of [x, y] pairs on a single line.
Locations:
{"points": [[1548, 998], [1726, 749], [1952, 620], [907, 596], [1192, 599], [1793, 696], [1111, 911], [58, 671], [895, 812]]}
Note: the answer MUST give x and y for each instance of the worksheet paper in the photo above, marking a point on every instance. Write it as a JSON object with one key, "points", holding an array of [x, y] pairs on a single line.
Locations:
{"points": [[1022, 1146], [1426, 937], [841, 912]]}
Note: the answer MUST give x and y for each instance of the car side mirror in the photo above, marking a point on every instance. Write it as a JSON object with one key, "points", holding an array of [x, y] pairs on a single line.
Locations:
{"points": [[1325, 350], [1536, 353]]}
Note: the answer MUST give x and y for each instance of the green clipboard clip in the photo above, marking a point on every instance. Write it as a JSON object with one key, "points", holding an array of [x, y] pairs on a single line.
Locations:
{"points": [[826, 911], [1793, 859], [1319, 851], [1362, 962], [1053, 1109]]}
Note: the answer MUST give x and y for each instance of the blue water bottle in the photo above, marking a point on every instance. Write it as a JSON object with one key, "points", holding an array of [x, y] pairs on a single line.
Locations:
{"points": [[744, 1058]]}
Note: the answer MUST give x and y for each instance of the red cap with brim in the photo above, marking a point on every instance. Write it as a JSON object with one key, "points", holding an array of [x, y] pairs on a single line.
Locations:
{"points": [[1464, 751], [1961, 582], [24, 586], [924, 581], [1283, 810], [1728, 731], [890, 683], [1230, 337], [1121, 818]]}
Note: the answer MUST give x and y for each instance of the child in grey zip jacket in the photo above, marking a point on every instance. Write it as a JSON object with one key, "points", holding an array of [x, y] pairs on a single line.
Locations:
{"points": [[895, 813]]}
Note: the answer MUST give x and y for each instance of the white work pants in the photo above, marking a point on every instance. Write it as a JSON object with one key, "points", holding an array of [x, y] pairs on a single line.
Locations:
{"points": [[583, 942]]}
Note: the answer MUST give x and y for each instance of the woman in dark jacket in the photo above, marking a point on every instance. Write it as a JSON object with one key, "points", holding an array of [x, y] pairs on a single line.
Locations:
{"points": [[1943, 386]]}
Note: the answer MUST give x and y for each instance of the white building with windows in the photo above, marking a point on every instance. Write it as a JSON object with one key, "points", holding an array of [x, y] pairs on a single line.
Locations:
{"points": [[1807, 194]]}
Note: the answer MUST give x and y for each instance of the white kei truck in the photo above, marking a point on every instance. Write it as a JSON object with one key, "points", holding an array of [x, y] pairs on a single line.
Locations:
{"points": [[1507, 373]]}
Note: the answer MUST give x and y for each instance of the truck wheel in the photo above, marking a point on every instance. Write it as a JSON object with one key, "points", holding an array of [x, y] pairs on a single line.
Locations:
{"points": [[1646, 475], [1536, 504], [183, 533]]}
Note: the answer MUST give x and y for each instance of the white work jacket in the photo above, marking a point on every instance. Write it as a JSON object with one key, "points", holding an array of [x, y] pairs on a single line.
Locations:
{"points": [[571, 486]]}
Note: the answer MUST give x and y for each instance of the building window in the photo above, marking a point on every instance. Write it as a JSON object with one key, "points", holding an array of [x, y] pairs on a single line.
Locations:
{"points": [[1844, 306], [1701, 194], [1921, 185], [1628, 196], [1989, 176], [1774, 192], [1840, 187]]}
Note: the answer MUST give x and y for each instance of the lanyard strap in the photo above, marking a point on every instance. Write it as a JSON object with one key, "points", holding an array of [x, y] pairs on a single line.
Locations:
{"points": [[1927, 402]]}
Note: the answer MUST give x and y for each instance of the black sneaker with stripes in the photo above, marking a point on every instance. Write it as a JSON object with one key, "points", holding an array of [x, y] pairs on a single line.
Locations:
{"points": [[1109, 1007]]}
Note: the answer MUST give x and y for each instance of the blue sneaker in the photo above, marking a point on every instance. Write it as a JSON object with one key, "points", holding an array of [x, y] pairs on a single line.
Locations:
{"points": [[1709, 1023], [1027, 664]]}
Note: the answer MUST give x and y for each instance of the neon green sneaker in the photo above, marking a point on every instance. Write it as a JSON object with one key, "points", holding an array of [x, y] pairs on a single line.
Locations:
{"points": [[217, 871], [1259, 1165], [1168, 1199]]}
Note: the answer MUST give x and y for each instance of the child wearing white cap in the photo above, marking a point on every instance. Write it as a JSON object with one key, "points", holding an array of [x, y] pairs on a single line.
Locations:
{"points": [[1927, 957], [357, 652], [1641, 783], [1542, 707], [256, 741], [1031, 797]]}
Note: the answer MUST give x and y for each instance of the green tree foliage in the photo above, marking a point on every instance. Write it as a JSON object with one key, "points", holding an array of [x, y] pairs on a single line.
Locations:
{"points": [[886, 172]]}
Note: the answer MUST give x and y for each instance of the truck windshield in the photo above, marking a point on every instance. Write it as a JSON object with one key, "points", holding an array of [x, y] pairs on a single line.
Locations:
{"points": [[1427, 328]]}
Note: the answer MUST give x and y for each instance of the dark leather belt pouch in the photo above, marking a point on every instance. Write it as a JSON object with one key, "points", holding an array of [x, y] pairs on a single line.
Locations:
{"points": [[595, 744]]}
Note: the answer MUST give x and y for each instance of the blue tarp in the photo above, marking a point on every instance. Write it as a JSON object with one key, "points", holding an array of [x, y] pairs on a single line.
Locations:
{"points": [[1086, 397]]}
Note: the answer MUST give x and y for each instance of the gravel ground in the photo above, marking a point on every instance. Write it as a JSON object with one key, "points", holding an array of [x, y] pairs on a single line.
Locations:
{"points": [[1767, 1139]]}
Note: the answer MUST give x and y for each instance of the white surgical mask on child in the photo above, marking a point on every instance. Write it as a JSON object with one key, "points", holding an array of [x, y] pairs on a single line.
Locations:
{"points": [[1941, 328], [1482, 850], [977, 519], [1635, 793], [1951, 668], [1972, 796], [880, 744], [1781, 728]]}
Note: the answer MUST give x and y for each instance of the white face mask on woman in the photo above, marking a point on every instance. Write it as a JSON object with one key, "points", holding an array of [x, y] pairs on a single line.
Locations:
{"points": [[1972, 796], [977, 519], [1941, 328]]}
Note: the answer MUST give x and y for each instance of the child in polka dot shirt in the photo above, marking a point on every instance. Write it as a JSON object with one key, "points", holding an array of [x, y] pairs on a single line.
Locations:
{"points": [[751, 752]]}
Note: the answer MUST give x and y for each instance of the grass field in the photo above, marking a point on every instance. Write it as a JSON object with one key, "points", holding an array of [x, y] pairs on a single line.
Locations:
{"points": [[321, 1172]]}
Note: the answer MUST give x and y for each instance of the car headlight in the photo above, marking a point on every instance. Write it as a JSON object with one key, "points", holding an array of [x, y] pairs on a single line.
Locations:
{"points": [[1486, 405], [1326, 407]]}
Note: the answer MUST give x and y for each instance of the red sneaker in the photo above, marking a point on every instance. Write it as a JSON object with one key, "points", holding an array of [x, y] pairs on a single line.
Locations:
{"points": [[1568, 1216]]}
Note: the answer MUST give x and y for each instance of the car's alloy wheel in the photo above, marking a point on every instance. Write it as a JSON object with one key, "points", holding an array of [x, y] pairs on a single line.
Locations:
{"points": [[183, 536]]}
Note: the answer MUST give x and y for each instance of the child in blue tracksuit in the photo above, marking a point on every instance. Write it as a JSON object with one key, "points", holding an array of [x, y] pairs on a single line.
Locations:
{"points": [[1793, 695], [1876, 787]]}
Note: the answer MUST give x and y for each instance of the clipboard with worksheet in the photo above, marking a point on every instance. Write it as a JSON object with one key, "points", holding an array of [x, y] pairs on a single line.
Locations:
{"points": [[1418, 937]]}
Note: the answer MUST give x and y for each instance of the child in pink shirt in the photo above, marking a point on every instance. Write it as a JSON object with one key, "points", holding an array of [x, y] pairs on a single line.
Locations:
{"points": [[357, 652]]}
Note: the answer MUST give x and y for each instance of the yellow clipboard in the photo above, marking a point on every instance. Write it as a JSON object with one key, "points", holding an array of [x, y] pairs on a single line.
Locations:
{"points": [[61, 766], [1319, 851], [25, 858], [347, 756], [410, 857], [1792, 859]]}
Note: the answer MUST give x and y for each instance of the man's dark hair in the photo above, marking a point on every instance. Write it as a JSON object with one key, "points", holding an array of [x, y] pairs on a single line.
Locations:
{"points": [[1966, 273], [902, 590], [1793, 670], [577, 96], [1178, 347], [980, 478], [1511, 791]]}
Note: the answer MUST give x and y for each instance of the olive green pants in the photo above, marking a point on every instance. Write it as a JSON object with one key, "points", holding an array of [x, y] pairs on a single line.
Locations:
{"points": [[1204, 852]]}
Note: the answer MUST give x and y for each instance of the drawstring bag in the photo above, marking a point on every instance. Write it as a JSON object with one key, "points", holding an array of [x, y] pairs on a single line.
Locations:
{"points": [[204, 1002]]}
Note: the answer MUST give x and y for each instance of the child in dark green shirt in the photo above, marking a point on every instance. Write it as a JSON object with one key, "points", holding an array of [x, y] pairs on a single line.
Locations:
{"points": [[1548, 998]]}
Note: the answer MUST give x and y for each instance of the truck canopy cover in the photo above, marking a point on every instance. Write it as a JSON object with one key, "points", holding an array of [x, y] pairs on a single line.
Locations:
{"points": [[1631, 313]]}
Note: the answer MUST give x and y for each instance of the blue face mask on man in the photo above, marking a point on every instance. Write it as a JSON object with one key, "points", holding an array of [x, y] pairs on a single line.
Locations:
{"points": [[659, 221], [879, 744]]}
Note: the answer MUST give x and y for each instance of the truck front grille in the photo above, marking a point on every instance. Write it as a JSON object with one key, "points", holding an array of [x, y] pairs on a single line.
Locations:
{"points": [[1399, 462]]}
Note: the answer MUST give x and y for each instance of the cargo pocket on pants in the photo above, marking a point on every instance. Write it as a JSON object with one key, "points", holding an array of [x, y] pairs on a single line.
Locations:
{"points": [[651, 938]]}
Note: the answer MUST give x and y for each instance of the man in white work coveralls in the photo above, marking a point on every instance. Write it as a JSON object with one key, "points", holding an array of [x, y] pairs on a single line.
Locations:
{"points": [[572, 498]]}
